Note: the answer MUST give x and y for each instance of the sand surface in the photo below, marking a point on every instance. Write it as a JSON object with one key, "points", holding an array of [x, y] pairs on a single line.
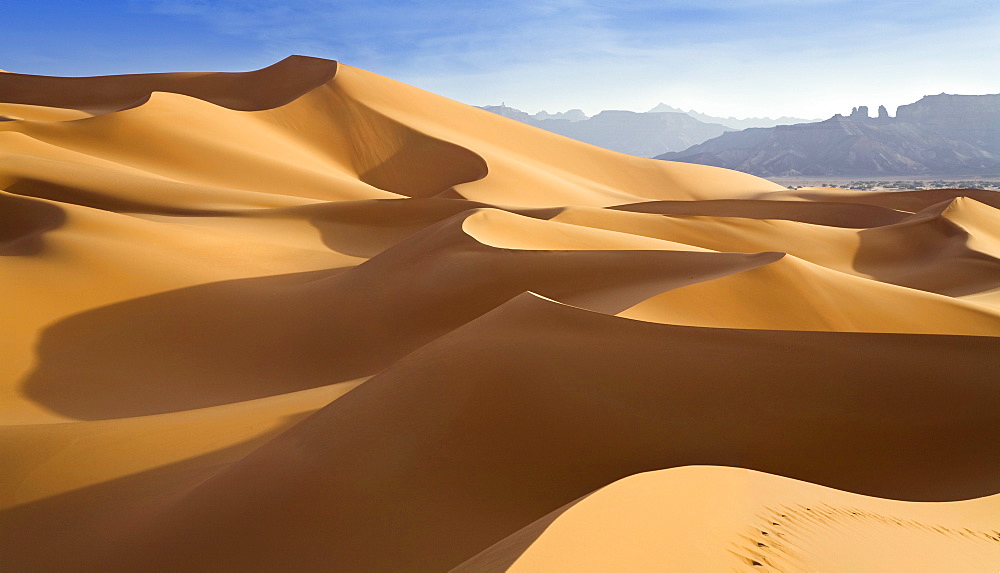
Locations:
{"points": [[308, 318]]}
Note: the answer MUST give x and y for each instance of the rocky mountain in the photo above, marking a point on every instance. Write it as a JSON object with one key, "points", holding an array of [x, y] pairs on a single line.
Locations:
{"points": [[734, 122], [974, 119], [940, 135], [643, 134]]}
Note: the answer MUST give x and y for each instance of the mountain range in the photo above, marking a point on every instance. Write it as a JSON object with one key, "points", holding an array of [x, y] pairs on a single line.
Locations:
{"points": [[734, 122], [947, 135], [643, 134]]}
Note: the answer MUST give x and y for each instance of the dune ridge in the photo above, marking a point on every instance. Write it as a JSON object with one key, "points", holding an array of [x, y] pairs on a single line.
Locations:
{"points": [[310, 318], [765, 523]]}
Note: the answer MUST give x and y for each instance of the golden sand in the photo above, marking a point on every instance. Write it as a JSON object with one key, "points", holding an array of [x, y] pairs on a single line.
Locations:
{"points": [[309, 318]]}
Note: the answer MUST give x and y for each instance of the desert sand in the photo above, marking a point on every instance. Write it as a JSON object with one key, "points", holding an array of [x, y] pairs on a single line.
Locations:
{"points": [[308, 318]]}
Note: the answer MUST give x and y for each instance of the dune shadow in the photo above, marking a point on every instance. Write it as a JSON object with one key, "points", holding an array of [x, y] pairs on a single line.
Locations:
{"points": [[95, 526], [366, 228], [854, 216], [190, 348], [926, 252], [96, 200], [910, 201], [405, 171], [23, 223], [243, 339], [514, 415]]}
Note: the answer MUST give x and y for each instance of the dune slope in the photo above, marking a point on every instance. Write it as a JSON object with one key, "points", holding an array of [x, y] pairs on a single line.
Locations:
{"points": [[752, 522], [309, 318]]}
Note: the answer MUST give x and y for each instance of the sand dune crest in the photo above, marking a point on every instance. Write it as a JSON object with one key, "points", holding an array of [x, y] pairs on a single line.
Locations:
{"points": [[726, 519]]}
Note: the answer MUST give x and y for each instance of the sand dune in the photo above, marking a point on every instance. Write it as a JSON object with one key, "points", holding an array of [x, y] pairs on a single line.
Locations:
{"points": [[309, 318], [793, 294], [270, 87], [666, 520]]}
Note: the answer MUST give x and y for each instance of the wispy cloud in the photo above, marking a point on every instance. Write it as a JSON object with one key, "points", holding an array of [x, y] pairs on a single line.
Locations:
{"points": [[723, 56]]}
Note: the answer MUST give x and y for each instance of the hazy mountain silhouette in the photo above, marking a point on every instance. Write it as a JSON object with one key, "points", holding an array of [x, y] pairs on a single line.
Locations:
{"points": [[734, 122], [644, 134], [939, 135]]}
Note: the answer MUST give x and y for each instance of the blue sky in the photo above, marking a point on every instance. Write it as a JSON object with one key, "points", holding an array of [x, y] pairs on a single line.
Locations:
{"points": [[807, 58]]}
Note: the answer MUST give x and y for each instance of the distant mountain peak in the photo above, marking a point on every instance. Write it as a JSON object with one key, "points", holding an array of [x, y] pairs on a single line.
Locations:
{"points": [[662, 107]]}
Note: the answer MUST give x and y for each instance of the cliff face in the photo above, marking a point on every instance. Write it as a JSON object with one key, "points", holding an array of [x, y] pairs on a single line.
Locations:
{"points": [[973, 119], [939, 135]]}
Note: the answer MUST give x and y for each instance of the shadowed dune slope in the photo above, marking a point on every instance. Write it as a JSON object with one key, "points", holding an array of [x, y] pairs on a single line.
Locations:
{"points": [[23, 221], [819, 213], [309, 318], [468, 435], [287, 333]]}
